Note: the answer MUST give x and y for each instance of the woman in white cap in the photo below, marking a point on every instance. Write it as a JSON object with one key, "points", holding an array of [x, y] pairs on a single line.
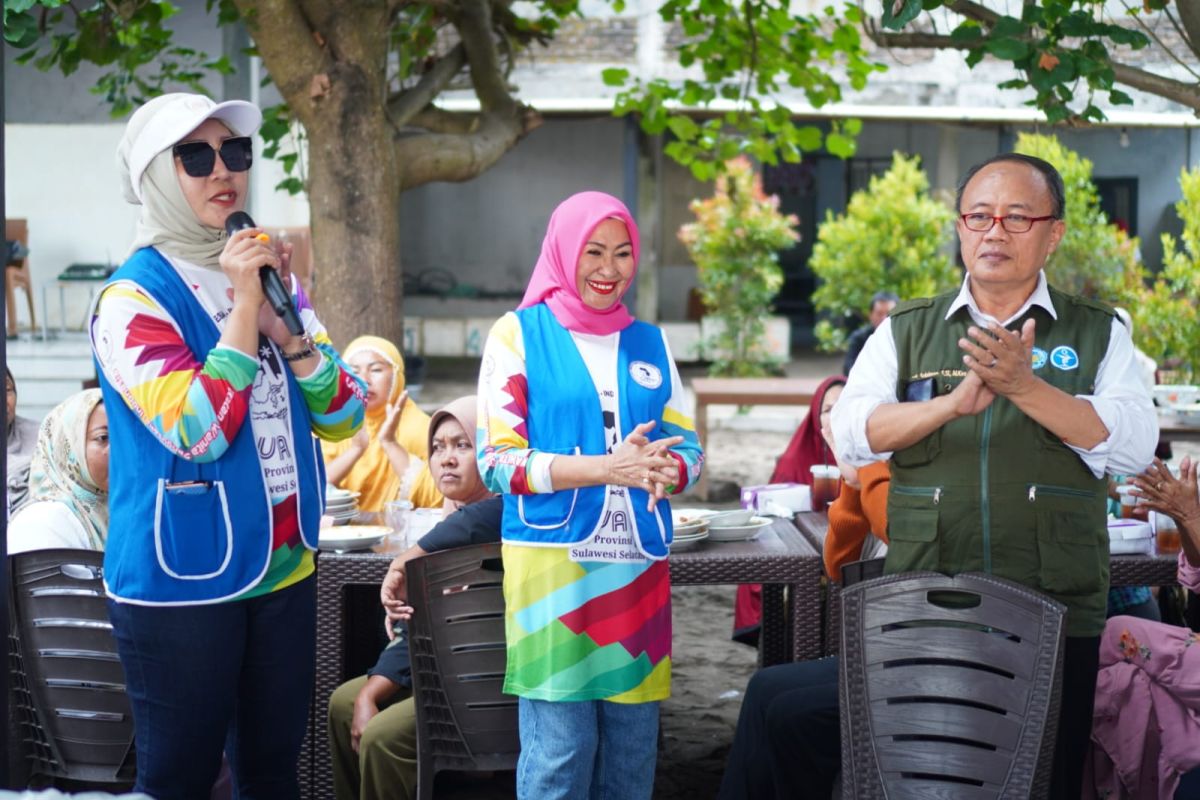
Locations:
{"points": [[215, 482]]}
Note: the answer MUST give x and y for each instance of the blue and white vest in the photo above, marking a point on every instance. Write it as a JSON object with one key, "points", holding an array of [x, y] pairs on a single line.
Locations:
{"points": [[181, 532], [564, 417]]}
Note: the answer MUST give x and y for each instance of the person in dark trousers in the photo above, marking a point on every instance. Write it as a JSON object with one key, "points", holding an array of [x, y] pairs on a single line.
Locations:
{"points": [[1001, 406], [882, 304]]}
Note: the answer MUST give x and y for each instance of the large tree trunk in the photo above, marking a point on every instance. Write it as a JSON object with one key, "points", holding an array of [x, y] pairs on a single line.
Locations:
{"points": [[329, 60], [354, 193]]}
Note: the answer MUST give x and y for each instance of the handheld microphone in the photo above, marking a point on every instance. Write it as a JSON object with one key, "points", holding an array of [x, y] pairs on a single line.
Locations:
{"points": [[277, 294]]}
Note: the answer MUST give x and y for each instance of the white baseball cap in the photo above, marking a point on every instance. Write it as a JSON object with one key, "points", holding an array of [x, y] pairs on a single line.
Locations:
{"points": [[163, 121]]}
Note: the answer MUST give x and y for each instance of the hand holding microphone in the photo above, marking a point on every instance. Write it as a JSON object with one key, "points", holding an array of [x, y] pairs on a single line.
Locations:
{"points": [[272, 285]]}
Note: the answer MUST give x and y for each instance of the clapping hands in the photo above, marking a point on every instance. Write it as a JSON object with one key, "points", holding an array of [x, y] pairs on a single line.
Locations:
{"points": [[645, 464]]}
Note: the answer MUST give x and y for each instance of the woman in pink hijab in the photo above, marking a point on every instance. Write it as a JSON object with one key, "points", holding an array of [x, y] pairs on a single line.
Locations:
{"points": [[584, 432]]}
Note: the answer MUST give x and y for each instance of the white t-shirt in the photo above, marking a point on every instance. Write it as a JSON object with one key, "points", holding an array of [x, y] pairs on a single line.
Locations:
{"points": [[46, 525], [613, 538]]}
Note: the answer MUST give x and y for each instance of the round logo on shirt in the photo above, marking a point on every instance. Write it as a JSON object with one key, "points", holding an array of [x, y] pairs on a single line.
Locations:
{"points": [[1039, 358], [644, 374], [1064, 358]]}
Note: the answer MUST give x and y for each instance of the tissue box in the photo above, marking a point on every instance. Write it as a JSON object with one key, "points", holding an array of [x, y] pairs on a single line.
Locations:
{"points": [[1130, 536], [792, 496]]}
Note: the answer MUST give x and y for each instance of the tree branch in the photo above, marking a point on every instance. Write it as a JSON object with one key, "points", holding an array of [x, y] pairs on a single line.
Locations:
{"points": [[1187, 94], [1189, 20], [459, 157], [284, 39], [402, 106], [438, 120], [1153, 34], [474, 23]]}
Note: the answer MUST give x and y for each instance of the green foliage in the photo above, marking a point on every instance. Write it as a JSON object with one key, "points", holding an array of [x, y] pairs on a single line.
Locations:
{"points": [[1095, 258], [127, 39], [1063, 49], [748, 53], [1166, 313], [889, 238], [735, 242]]}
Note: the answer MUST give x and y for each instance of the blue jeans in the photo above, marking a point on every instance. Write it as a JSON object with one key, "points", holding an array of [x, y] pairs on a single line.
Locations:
{"points": [[234, 677], [591, 748]]}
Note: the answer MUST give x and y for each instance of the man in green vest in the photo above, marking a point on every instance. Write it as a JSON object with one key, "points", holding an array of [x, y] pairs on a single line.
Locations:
{"points": [[1001, 406]]}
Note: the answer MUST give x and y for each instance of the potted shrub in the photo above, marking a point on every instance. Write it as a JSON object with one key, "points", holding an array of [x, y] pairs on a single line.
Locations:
{"points": [[892, 236], [735, 242]]}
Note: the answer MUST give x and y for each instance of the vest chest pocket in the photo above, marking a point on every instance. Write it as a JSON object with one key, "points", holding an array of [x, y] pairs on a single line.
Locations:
{"points": [[193, 535]]}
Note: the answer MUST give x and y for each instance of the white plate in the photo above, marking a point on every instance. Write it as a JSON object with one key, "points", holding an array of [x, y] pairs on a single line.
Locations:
{"points": [[689, 528], [687, 542], [738, 533], [333, 493], [353, 537], [341, 505]]}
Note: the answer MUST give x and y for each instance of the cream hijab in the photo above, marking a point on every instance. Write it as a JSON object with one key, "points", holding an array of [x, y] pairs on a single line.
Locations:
{"points": [[166, 222], [462, 409]]}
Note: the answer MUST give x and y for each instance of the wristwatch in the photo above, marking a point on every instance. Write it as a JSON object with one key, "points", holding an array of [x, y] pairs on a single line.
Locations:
{"points": [[309, 349]]}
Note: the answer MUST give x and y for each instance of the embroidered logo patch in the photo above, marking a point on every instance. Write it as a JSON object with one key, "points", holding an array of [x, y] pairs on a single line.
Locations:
{"points": [[1039, 358], [1064, 357], [644, 374]]}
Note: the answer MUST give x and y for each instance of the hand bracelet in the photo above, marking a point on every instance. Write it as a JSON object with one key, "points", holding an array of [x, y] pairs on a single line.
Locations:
{"points": [[309, 349]]}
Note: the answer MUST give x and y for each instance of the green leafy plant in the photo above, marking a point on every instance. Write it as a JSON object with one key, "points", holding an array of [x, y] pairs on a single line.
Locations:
{"points": [[1095, 258], [1166, 311], [748, 58], [891, 237], [735, 242]]}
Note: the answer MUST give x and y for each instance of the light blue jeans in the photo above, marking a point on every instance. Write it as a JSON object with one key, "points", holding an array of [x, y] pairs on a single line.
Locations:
{"points": [[588, 749]]}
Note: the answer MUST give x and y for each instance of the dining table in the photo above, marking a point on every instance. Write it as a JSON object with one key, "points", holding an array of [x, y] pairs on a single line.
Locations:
{"points": [[1124, 570], [780, 558]]}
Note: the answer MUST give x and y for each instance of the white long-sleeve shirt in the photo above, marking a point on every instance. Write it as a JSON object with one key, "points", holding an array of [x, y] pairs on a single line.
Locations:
{"points": [[1120, 400]]}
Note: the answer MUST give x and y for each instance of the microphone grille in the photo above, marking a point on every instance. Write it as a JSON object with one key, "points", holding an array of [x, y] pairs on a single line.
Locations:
{"points": [[237, 221]]}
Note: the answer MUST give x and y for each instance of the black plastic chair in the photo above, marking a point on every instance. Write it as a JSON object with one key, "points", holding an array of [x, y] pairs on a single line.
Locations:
{"points": [[456, 640], [949, 687], [67, 683]]}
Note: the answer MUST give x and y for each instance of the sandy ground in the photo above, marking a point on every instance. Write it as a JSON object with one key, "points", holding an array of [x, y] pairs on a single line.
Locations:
{"points": [[709, 670]]}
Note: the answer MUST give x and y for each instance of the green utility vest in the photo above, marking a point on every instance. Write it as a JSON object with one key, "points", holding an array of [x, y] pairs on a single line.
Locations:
{"points": [[997, 492]]}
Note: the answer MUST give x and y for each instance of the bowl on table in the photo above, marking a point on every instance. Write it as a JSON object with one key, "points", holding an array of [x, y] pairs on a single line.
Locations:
{"points": [[1187, 414], [731, 518], [1176, 394]]}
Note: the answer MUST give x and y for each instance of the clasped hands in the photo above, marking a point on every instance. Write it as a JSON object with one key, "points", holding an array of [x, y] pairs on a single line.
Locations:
{"points": [[998, 361], [644, 464]]}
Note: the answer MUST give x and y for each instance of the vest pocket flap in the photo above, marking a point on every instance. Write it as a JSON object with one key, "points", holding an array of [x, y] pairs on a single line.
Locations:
{"points": [[193, 534], [1072, 552], [913, 525]]}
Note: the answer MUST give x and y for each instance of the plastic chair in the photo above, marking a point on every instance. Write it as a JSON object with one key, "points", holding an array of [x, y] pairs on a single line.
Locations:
{"points": [[17, 275], [67, 681], [949, 687], [456, 640]]}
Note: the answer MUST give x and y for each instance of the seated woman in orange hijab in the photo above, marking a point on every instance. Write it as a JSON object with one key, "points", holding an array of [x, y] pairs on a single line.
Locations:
{"points": [[387, 459]]}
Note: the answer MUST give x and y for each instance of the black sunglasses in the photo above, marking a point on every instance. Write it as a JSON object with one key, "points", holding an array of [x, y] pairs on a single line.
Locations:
{"points": [[199, 158]]}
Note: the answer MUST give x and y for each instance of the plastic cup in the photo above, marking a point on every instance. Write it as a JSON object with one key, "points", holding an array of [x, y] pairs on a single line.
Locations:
{"points": [[1166, 534], [1128, 500], [396, 516], [825, 485]]}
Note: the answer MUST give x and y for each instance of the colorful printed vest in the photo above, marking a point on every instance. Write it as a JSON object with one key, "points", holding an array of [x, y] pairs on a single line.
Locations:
{"points": [[181, 532], [565, 418]]}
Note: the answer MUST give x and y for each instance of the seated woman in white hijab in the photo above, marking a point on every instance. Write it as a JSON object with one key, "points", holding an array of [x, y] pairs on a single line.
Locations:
{"points": [[22, 434], [68, 480]]}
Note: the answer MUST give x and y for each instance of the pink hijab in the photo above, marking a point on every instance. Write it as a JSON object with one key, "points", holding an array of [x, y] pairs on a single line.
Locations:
{"points": [[553, 280]]}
